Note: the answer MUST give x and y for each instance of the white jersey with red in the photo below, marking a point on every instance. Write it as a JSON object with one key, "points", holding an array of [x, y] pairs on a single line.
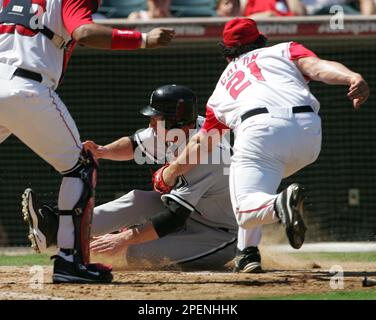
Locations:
{"points": [[264, 77], [33, 51]]}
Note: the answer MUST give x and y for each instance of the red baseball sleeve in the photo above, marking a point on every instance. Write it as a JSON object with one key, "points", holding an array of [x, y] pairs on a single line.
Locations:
{"points": [[211, 121], [76, 13], [297, 51]]}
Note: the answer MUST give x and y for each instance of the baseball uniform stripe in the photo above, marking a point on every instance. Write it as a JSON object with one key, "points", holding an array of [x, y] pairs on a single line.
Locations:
{"points": [[144, 149], [179, 200], [62, 117], [259, 208]]}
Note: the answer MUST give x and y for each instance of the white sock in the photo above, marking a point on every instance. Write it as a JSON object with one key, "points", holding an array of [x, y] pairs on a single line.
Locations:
{"points": [[65, 256], [70, 193], [249, 237]]}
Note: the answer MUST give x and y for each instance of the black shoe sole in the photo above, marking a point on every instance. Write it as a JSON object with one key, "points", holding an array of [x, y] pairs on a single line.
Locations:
{"points": [[71, 272], [253, 267], [295, 227], [64, 278]]}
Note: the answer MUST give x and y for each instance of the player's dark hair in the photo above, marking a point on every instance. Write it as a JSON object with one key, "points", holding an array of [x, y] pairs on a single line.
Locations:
{"points": [[237, 51]]}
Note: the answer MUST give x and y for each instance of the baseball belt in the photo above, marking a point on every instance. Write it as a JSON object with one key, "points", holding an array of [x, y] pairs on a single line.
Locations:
{"points": [[254, 112], [28, 74]]}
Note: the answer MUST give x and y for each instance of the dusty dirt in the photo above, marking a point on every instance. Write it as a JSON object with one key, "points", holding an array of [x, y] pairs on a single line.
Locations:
{"points": [[278, 280]]}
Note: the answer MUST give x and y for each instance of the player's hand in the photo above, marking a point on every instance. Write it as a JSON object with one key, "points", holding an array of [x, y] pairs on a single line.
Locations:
{"points": [[159, 184], [96, 150], [159, 37], [358, 91], [110, 243]]}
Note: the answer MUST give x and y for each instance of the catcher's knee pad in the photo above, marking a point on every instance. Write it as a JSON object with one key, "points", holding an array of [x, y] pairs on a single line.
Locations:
{"points": [[82, 213]]}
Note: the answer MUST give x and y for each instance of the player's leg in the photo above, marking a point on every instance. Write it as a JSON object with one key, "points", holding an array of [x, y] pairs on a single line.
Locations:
{"points": [[262, 152], [133, 208], [6, 100], [51, 133], [204, 248], [307, 144], [253, 192]]}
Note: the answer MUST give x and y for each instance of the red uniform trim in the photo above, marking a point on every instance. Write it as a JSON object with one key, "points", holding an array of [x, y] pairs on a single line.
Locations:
{"points": [[78, 144], [298, 51], [257, 209], [211, 122]]}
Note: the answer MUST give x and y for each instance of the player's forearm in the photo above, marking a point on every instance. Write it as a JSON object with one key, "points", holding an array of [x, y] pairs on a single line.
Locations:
{"points": [[120, 150], [102, 37], [94, 36], [329, 72], [143, 233], [190, 156], [196, 151]]}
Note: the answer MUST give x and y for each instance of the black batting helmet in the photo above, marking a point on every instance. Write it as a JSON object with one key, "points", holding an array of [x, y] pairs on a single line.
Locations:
{"points": [[175, 103]]}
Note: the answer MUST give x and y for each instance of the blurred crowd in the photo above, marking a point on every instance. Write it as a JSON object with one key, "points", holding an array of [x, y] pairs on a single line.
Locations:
{"points": [[152, 9]]}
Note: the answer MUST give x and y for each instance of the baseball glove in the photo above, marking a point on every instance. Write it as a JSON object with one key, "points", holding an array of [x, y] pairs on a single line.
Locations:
{"points": [[158, 183]]}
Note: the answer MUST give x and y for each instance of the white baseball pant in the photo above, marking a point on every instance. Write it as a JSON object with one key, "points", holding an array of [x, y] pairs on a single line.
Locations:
{"points": [[35, 114], [267, 148]]}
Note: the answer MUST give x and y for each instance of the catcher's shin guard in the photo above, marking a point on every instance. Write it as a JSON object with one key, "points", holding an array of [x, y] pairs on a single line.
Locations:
{"points": [[82, 213]]}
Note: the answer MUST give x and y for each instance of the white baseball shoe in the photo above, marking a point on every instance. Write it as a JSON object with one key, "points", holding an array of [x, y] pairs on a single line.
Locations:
{"points": [[43, 222]]}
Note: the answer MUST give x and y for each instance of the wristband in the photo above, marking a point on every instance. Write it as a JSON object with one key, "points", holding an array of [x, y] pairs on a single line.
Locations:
{"points": [[125, 39]]}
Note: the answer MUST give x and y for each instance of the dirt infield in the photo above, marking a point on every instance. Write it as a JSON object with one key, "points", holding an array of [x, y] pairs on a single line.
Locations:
{"points": [[16, 283]]}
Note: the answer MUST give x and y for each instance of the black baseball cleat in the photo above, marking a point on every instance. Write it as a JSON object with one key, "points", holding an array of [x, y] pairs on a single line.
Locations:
{"points": [[248, 260], [289, 206], [43, 222], [72, 272]]}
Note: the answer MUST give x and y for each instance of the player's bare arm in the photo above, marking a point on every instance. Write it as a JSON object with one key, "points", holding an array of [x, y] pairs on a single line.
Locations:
{"points": [[101, 37], [172, 218], [199, 145], [335, 73], [119, 150], [113, 243]]}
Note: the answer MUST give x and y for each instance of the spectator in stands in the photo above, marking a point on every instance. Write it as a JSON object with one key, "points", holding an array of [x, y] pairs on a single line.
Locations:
{"points": [[228, 8], [322, 7], [156, 9], [271, 8]]}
